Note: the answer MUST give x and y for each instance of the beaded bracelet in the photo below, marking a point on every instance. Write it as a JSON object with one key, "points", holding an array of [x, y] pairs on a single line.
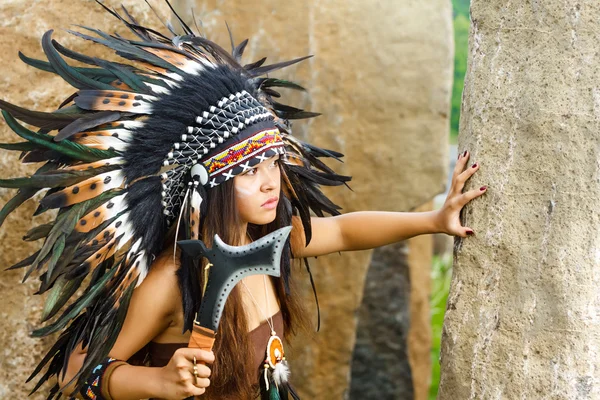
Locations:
{"points": [[96, 386]]}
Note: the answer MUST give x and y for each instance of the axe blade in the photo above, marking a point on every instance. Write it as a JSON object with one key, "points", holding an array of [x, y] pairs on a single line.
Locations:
{"points": [[230, 265]]}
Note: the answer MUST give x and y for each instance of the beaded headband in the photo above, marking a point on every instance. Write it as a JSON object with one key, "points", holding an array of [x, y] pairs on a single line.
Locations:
{"points": [[228, 139]]}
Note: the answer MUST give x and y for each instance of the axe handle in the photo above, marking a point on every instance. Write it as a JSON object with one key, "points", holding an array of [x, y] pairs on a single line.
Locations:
{"points": [[202, 338]]}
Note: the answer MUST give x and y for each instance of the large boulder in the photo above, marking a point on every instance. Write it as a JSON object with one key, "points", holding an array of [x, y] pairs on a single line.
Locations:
{"points": [[522, 314]]}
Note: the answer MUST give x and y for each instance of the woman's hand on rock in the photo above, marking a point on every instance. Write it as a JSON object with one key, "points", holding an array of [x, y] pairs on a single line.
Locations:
{"points": [[449, 214]]}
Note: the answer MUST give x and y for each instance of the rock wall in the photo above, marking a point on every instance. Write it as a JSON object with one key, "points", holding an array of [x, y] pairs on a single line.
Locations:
{"points": [[522, 314], [380, 367]]}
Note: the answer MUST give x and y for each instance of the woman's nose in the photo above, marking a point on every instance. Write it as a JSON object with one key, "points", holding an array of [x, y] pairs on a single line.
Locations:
{"points": [[270, 181]]}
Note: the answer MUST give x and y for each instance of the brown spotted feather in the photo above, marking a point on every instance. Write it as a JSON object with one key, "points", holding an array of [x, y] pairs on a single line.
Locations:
{"points": [[84, 190]]}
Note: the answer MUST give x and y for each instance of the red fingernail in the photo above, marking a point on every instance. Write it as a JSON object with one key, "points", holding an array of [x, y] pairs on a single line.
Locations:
{"points": [[474, 165], [470, 233], [464, 154], [483, 188]]}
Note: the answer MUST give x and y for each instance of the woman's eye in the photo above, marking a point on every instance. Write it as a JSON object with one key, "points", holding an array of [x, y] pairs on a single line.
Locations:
{"points": [[251, 171]]}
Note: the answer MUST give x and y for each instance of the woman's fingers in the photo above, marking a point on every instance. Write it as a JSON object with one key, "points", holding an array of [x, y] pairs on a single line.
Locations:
{"points": [[194, 391], [463, 158], [202, 383], [202, 356], [462, 172], [456, 199], [471, 194], [203, 371], [465, 231], [459, 167]]}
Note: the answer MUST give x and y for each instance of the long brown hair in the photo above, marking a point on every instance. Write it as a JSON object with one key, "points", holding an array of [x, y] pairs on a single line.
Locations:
{"points": [[233, 376]]}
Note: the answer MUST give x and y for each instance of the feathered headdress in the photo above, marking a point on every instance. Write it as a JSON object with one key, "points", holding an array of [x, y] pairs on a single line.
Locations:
{"points": [[132, 151]]}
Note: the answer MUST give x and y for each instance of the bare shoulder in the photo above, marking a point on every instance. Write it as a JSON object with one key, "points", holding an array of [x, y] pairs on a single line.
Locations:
{"points": [[161, 281], [152, 309]]}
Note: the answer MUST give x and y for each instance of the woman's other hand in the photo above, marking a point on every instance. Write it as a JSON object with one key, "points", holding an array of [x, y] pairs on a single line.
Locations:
{"points": [[449, 214], [178, 380]]}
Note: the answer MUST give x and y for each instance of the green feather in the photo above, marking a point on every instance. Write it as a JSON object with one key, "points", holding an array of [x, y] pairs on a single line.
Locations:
{"points": [[53, 179], [44, 120], [270, 82], [68, 73], [57, 250], [74, 150], [22, 146], [21, 196], [274, 392], [126, 50], [76, 307], [64, 225], [23, 263], [97, 74], [71, 110], [38, 232], [100, 74], [129, 78], [39, 64], [61, 292], [65, 261]]}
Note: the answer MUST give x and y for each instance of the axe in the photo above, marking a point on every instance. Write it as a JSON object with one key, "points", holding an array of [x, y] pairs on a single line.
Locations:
{"points": [[229, 265]]}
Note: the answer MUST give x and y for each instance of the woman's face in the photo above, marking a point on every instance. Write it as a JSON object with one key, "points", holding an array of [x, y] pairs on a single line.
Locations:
{"points": [[257, 192]]}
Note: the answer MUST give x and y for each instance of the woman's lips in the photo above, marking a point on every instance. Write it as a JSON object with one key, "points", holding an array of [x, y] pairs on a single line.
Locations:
{"points": [[271, 203]]}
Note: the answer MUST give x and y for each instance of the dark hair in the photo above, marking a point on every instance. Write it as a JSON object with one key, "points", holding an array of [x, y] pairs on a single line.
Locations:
{"points": [[232, 374]]}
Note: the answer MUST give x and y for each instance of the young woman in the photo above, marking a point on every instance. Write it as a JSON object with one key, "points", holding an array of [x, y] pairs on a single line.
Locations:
{"points": [[155, 314], [182, 143]]}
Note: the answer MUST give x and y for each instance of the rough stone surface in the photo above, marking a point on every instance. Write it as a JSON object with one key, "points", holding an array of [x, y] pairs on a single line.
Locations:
{"points": [[21, 27], [522, 314], [420, 254], [380, 368]]}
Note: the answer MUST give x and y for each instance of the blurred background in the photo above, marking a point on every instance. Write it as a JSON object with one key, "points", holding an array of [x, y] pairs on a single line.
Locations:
{"points": [[387, 77], [441, 267]]}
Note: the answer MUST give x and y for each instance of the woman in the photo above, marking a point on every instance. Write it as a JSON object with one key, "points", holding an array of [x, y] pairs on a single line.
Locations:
{"points": [[182, 142]]}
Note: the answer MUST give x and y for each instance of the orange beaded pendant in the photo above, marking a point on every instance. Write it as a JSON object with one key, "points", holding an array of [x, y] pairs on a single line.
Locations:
{"points": [[275, 353]]}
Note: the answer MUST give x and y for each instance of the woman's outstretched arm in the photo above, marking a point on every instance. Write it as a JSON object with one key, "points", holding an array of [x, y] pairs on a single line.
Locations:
{"points": [[370, 229]]}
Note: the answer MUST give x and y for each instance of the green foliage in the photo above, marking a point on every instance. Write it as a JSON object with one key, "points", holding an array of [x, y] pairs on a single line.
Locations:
{"points": [[461, 7], [441, 272], [461, 43]]}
